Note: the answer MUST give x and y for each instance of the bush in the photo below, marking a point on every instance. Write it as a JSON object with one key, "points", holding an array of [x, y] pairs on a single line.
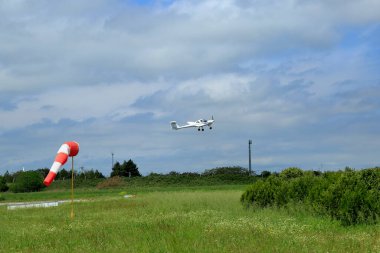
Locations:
{"points": [[115, 181], [352, 197], [355, 198], [292, 172], [28, 181], [265, 174], [264, 193], [3, 185], [236, 170]]}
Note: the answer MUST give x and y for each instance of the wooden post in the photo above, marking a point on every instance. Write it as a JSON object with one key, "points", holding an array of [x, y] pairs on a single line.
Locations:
{"points": [[72, 187]]}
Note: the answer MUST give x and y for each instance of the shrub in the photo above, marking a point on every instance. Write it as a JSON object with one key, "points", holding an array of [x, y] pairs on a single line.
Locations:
{"points": [[115, 181], [28, 181], [355, 198], [263, 193], [265, 174], [226, 171], [352, 197], [292, 172], [301, 187]]}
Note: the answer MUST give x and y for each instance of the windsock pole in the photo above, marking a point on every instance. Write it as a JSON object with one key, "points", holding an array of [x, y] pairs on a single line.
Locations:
{"points": [[72, 187]]}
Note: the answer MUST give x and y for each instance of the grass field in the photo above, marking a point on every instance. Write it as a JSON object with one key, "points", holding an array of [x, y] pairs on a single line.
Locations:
{"points": [[207, 219]]}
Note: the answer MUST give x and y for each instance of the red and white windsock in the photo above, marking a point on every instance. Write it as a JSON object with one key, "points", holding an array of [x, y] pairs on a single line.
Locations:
{"points": [[70, 148]]}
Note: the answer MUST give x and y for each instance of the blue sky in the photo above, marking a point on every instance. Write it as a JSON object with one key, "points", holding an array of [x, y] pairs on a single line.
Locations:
{"points": [[299, 78]]}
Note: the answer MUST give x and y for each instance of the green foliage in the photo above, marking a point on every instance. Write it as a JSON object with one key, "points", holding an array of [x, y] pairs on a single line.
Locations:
{"points": [[90, 174], [28, 181], [261, 193], [127, 169], [8, 177], [292, 172], [130, 169], [63, 174], [116, 170], [265, 174], [3, 185], [352, 197], [355, 198], [79, 176], [179, 179], [235, 170], [44, 172], [226, 175], [173, 178]]}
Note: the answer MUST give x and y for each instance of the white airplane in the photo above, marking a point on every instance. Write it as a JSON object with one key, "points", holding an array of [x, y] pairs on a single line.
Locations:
{"points": [[199, 123]]}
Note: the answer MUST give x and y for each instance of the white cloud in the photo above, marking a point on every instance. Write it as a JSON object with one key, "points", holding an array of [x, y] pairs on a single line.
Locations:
{"points": [[223, 87], [77, 103], [287, 73], [44, 43]]}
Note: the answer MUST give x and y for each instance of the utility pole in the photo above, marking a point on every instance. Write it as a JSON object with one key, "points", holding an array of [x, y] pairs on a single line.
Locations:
{"points": [[249, 158]]}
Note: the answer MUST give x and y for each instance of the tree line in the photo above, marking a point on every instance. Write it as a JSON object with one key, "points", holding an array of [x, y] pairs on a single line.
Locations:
{"points": [[32, 180], [21, 181]]}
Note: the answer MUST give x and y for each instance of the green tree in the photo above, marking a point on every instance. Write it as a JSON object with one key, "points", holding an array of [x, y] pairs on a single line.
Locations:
{"points": [[28, 181], [98, 174], [63, 174], [44, 172], [129, 169], [3, 184], [116, 170], [126, 169], [8, 177], [90, 174]]}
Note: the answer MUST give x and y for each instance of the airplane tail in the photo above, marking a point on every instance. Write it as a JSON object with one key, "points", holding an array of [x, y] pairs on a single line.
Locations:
{"points": [[174, 125]]}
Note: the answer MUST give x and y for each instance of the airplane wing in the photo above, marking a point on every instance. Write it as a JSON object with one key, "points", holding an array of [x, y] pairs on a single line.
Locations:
{"points": [[202, 124], [194, 124]]}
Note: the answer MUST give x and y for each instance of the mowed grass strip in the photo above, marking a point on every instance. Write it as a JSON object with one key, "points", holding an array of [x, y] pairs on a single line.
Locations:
{"points": [[177, 221]]}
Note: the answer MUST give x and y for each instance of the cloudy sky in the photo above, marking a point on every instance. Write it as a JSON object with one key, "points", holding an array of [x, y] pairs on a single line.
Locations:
{"points": [[300, 78]]}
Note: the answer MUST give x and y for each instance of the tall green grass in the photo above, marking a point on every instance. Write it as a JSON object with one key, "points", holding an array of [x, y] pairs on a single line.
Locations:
{"points": [[177, 220], [90, 193]]}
